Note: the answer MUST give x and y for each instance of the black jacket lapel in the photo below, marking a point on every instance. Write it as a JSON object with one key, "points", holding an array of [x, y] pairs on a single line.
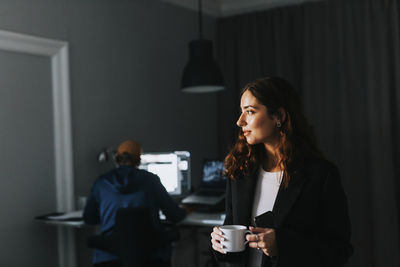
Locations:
{"points": [[287, 197], [245, 188]]}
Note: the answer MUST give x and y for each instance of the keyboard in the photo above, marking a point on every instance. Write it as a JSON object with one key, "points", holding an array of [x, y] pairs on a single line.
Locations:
{"points": [[209, 193]]}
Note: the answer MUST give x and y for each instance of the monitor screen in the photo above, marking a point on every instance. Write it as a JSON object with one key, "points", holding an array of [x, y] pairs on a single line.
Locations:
{"points": [[171, 167], [213, 174]]}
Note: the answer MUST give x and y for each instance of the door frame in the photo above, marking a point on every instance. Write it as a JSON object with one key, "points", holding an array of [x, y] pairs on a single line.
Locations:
{"points": [[57, 51]]}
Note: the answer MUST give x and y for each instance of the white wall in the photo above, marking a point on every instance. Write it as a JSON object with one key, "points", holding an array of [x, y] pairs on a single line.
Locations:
{"points": [[126, 60], [126, 63]]}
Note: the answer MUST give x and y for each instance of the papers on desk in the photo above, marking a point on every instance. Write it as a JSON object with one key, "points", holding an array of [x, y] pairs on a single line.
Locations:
{"points": [[204, 219], [69, 216], [70, 219], [200, 219]]}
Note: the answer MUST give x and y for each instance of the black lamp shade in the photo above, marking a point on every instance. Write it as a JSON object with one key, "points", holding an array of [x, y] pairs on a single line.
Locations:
{"points": [[201, 73]]}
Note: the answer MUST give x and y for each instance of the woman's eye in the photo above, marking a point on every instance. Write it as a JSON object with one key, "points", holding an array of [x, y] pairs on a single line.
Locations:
{"points": [[250, 112]]}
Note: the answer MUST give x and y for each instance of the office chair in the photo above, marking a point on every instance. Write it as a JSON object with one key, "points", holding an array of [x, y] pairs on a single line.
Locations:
{"points": [[134, 237]]}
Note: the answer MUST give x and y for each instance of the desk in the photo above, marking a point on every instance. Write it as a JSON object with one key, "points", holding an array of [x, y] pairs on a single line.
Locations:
{"points": [[71, 219], [196, 228], [202, 219], [195, 232]]}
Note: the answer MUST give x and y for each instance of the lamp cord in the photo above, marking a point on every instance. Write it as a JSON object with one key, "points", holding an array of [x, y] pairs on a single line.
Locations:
{"points": [[200, 20]]}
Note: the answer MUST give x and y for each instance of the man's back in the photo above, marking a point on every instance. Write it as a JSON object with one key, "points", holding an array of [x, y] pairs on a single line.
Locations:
{"points": [[125, 187]]}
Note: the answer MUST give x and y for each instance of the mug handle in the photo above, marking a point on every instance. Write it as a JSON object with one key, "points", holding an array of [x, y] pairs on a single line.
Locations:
{"points": [[248, 232]]}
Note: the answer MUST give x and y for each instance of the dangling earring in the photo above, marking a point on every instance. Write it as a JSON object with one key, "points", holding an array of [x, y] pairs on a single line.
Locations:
{"points": [[278, 124]]}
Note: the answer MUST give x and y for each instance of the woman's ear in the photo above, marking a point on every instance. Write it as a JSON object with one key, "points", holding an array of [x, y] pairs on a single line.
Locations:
{"points": [[282, 114]]}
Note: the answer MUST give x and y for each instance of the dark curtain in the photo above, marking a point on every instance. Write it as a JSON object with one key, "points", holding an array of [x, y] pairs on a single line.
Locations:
{"points": [[344, 58]]}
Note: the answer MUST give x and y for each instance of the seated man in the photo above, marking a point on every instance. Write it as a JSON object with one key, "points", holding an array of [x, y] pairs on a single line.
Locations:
{"points": [[128, 186]]}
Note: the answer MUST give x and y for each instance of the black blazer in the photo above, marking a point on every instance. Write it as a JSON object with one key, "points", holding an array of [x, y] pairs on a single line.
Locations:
{"points": [[310, 217]]}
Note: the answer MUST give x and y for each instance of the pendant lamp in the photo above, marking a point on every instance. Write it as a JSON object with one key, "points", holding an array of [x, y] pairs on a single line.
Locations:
{"points": [[202, 73]]}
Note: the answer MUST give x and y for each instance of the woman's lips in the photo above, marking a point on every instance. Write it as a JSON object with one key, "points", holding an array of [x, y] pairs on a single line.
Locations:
{"points": [[245, 133]]}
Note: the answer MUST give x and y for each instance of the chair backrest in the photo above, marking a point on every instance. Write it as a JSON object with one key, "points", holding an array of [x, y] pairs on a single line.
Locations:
{"points": [[134, 237]]}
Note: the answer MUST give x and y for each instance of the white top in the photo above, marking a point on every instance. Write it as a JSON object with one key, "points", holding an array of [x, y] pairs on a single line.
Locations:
{"points": [[266, 191], [264, 199]]}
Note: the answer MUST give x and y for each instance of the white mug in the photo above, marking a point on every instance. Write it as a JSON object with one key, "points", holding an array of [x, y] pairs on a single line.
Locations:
{"points": [[234, 237]]}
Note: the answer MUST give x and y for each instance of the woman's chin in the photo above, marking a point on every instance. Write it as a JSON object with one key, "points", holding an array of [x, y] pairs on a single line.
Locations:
{"points": [[250, 141]]}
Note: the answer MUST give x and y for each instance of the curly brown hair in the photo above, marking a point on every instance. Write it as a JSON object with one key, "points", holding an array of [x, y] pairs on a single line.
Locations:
{"points": [[296, 142]]}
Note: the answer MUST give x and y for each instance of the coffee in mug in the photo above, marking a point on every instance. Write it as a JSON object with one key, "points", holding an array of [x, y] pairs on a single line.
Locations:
{"points": [[234, 237]]}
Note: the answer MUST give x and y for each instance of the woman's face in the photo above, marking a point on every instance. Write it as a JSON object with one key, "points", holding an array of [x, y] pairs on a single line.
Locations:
{"points": [[255, 122]]}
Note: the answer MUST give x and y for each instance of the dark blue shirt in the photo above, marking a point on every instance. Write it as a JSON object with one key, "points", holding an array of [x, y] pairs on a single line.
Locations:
{"points": [[125, 187]]}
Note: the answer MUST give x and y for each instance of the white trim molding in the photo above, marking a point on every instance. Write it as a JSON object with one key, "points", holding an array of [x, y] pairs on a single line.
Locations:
{"points": [[236, 7], [64, 177], [209, 7], [225, 8]]}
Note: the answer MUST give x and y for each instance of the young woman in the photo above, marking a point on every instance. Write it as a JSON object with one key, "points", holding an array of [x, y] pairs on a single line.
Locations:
{"points": [[281, 186]]}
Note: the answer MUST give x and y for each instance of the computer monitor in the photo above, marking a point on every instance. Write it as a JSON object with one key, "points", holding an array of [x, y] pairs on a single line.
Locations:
{"points": [[173, 168], [212, 176]]}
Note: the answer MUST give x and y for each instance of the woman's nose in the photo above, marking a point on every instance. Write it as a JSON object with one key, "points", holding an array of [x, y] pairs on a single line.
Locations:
{"points": [[240, 121]]}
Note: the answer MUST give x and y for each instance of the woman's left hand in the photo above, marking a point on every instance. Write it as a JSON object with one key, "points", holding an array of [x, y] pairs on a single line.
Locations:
{"points": [[263, 238]]}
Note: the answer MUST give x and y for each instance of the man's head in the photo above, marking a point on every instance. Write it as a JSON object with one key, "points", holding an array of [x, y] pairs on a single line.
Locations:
{"points": [[128, 153]]}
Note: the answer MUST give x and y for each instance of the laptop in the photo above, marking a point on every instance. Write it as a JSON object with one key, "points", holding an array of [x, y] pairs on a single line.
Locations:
{"points": [[212, 188]]}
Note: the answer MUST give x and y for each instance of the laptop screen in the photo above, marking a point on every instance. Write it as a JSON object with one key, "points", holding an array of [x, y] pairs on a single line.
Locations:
{"points": [[212, 174]]}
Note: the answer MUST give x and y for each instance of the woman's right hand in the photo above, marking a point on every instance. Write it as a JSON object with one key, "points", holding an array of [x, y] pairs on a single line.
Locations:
{"points": [[216, 238]]}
